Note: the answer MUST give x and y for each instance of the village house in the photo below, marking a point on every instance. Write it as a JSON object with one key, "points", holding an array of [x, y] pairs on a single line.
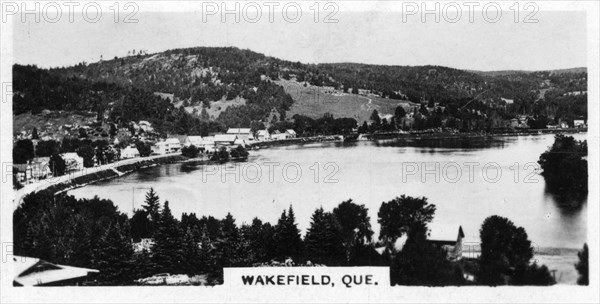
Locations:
{"points": [[34, 170], [168, 146], [579, 123], [160, 148], [453, 247], [224, 140], [195, 141], [208, 143], [173, 145], [443, 239], [36, 272], [130, 152], [263, 135], [242, 133], [288, 134]]}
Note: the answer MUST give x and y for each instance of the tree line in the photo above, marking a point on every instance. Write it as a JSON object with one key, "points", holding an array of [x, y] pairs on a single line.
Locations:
{"points": [[93, 233]]}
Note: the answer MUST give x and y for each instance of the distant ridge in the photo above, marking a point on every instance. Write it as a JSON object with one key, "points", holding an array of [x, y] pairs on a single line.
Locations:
{"points": [[512, 72]]}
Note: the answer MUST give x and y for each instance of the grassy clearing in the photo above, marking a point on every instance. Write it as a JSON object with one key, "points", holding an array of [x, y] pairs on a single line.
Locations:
{"points": [[217, 107], [315, 101]]}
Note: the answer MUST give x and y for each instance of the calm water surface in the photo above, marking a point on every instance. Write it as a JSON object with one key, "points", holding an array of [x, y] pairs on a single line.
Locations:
{"points": [[371, 173]]}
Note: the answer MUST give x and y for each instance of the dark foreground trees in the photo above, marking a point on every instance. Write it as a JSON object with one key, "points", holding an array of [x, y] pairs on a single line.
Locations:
{"points": [[93, 233], [583, 267], [505, 255], [399, 215], [421, 263]]}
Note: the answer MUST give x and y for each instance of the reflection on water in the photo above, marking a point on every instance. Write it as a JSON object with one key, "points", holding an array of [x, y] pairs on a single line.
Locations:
{"points": [[371, 173], [567, 202], [456, 143]]}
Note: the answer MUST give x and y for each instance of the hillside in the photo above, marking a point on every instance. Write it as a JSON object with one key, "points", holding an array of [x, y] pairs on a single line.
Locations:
{"points": [[201, 90]]}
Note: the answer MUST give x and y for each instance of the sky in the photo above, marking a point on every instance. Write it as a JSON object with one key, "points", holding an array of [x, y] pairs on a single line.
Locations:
{"points": [[557, 40]]}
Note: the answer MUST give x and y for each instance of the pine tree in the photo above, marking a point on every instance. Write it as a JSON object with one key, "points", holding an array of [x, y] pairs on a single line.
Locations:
{"points": [[167, 251], [287, 237], [229, 244], [583, 266], [191, 251], [113, 256], [152, 205], [34, 134], [324, 243]]}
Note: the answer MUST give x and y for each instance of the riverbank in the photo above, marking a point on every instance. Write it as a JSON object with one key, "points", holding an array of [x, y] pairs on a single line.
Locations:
{"points": [[87, 176], [410, 136]]}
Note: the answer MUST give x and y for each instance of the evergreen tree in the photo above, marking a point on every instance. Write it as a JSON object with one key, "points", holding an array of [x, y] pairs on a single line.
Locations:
{"points": [[34, 134], [113, 256], [287, 237], [167, 251], [583, 266], [141, 226], [323, 242], [375, 119], [57, 164], [229, 244], [152, 205], [191, 252]]}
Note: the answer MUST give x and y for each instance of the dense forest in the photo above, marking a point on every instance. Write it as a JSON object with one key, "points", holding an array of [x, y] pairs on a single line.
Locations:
{"points": [[129, 88], [94, 233]]}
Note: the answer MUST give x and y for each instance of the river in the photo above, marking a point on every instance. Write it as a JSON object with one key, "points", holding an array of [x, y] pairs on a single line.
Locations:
{"points": [[467, 179]]}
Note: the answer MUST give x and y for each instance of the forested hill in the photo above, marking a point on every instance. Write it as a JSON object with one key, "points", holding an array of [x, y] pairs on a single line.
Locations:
{"points": [[153, 87]]}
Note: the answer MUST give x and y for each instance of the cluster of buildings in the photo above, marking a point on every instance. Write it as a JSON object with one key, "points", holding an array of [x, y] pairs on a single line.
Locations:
{"points": [[40, 168], [233, 138]]}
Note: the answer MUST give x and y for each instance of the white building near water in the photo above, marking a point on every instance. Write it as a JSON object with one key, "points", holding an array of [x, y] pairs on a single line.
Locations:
{"points": [[195, 141], [288, 134], [263, 135], [169, 146], [129, 152], [242, 133], [225, 140]]}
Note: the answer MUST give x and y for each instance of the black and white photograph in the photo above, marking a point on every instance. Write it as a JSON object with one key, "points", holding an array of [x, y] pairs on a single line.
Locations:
{"points": [[299, 151]]}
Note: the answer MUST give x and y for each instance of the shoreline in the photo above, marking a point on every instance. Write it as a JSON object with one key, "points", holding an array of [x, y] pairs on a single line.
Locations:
{"points": [[88, 176], [409, 136]]}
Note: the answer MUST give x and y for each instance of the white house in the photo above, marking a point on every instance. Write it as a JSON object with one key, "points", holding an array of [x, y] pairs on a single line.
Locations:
{"points": [[160, 148], [36, 272], [579, 123], [208, 143], [290, 133], [195, 141], [263, 135], [173, 145], [285, 135], [225, 140], [240, 142], [278, 136], [129, 152], [243, 133]]}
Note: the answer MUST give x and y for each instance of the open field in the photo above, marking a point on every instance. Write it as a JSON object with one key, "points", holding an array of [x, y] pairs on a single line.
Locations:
{"points": [[314, 102], [217, 107]]}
